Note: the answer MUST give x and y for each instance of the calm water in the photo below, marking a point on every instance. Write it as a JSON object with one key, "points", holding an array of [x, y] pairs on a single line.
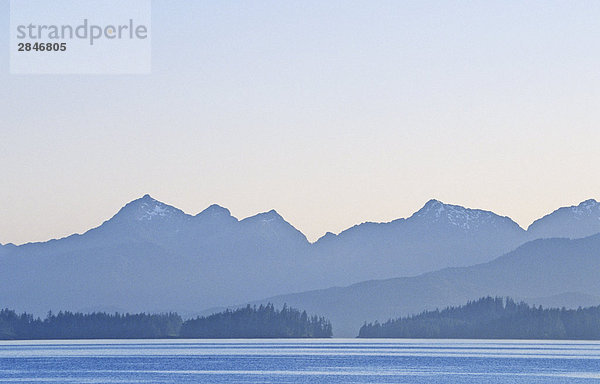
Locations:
{"points": [[299, 361]]}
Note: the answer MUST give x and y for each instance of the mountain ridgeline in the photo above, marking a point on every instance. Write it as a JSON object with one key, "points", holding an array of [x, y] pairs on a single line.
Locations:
{"points": [[492, 318], [250, 322], [152, 257]]}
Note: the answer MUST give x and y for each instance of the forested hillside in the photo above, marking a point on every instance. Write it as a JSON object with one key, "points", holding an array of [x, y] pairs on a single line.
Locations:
{"points": [[493, 318], [250, 322], [262, 322]]}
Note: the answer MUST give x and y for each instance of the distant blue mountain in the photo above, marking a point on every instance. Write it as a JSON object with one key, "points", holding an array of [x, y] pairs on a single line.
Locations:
{"points": [[151, 256], [572, 222], [550, 270], [438, 235]]}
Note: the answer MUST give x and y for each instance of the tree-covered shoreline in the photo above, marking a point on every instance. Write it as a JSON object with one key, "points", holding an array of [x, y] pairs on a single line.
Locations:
{"points": [[262, 322], [249, 322], [97, 325], [492, 318]]}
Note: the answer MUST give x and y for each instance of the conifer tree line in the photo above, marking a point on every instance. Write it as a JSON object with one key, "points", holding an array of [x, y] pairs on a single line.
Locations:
{"points": [[249, 322], [99, 325], [262, 322], [492, 318]]}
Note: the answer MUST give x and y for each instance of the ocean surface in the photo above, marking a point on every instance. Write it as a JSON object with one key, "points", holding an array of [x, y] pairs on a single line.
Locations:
{"points": [[300, 361]]}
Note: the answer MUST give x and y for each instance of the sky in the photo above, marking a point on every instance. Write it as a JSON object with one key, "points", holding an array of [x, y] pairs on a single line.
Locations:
{"points": [[331, 112]]}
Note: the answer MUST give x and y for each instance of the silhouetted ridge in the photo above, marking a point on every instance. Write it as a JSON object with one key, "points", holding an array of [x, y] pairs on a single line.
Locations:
{"points": [[215, 210], [266, 217], [327, 236], [273, 227], [465, 218], [153, 256], [572, 222]]}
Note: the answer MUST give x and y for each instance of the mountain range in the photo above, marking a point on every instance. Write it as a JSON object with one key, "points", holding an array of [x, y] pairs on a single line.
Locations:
{"points": [[544, 271], [151, 256]]}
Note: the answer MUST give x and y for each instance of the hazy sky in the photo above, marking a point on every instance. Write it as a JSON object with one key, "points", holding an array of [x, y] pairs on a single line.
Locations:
{"points": [[331, 112]]}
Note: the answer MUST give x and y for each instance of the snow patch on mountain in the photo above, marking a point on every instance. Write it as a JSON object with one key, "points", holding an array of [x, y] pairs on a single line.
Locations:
{"points": [[572, 222], [147, 208], [265, 217], [152, 211], [464, 218], [586, 208]]}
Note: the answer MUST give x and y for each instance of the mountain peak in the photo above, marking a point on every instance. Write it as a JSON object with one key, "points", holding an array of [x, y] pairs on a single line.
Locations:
{"points": [[266, 217], [433, 206], [465, 218], [576, 221], [273, 224], [215, 210], [436, 209], [147, 208]]}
